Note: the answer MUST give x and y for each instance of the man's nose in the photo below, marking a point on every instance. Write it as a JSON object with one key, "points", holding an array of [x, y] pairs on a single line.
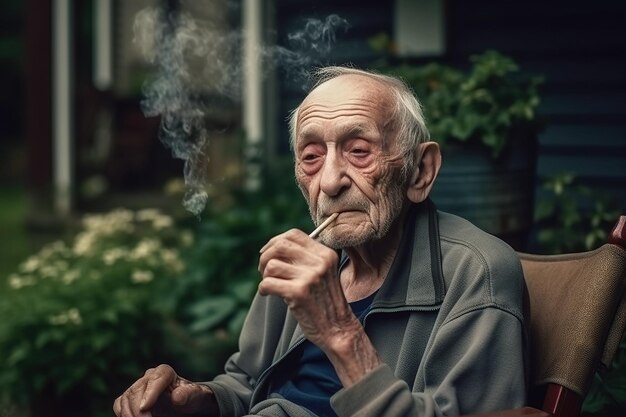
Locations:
{"points": [[334, 176]]}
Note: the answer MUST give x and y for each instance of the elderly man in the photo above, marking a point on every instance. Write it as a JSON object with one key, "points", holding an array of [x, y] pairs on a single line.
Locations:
{"points": [[397, 310]]}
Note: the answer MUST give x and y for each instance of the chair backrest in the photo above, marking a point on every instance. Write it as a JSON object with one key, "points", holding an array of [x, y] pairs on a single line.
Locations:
{"points": [[577, 318]]}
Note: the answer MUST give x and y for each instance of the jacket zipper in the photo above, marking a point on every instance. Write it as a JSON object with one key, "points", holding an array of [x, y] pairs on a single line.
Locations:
{"points": [[267, 371], [300, 341]]}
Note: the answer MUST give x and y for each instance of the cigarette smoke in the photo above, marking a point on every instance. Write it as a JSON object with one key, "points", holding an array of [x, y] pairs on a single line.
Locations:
{"points": [[181, 47]]}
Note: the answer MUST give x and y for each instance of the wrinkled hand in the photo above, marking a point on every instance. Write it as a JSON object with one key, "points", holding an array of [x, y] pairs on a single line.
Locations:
{"points": [[161, 392], [303, 272]]}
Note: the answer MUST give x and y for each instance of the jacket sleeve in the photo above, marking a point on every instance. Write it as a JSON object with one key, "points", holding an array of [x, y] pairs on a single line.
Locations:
{"points": [[474, 364], [257, 346]]}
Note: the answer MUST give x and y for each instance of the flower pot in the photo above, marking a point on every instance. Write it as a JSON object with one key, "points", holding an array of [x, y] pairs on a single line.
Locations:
{"points": [[496, 194]]}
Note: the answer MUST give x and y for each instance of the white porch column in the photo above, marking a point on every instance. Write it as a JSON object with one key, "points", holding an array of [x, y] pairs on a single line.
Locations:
{"points": [[62, 132], [103, 39], [252, 99]]}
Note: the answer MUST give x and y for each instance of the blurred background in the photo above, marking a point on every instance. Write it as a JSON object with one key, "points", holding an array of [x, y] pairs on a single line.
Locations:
{"points": [[144, 159]]}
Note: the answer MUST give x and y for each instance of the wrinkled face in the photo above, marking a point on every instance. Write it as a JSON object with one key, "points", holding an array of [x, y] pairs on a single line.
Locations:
{"points": [[345, 159]]}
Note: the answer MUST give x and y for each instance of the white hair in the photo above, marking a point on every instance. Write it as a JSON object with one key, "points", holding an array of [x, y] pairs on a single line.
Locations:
{"points": [[407, 117]]}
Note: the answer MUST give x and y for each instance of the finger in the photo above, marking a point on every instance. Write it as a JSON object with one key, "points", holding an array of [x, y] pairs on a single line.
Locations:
{"points": [[117, 406], [157, 382], [130, 409], [130, 401], [279, 268], [289, 250], [199, 398], [184, 396], [295, 235], [272, 241], [277, 286], [281, 250], [125, 407]]}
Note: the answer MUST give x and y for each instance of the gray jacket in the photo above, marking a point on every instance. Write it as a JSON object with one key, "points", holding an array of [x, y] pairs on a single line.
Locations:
{"points": [[447, 323]]}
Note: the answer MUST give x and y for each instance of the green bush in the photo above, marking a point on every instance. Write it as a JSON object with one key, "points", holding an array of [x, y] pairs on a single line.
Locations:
{"points": [[571, 217], [488, 104], [83, 319]]}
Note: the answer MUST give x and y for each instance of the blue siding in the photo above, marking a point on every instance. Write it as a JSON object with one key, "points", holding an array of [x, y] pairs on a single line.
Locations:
{"points": [[580, 48]]}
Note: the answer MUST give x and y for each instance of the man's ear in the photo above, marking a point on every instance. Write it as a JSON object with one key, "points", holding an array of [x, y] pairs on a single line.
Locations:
{"points": [[426, 170]]}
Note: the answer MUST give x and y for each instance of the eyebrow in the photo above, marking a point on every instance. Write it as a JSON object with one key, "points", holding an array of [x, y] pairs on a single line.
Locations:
{"points": [[356, 129], [308, 134]]}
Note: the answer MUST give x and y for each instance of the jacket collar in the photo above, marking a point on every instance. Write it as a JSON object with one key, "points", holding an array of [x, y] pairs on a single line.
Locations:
{"points": [[415, 278]]}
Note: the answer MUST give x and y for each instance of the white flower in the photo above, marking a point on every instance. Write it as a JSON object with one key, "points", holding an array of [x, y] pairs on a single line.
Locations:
{"points": [[159, 221], [55, 248], [113, 255], [145, 248], [140, 277], [172, 260], [109, 223], [31, 264], [16, 282], [162, 222], [147, 214], [49, 271], [84, 243], [186, 238], [70, 276], [71, 316]]}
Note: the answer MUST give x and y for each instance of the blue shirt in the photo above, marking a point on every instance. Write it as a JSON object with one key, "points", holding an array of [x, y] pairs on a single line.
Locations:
{"points": [[315, 379]]}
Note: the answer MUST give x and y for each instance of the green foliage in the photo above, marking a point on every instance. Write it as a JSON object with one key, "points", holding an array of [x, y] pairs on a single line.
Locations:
{"points": [[607, 396], [483, 105], [572, 217], [15, 249], [85, 317]]}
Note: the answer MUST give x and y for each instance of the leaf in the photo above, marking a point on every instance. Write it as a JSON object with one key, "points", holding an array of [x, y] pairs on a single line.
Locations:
{"points": [[99, 385], [244, 290], [212, 311], [19, 355], [236, 323], [615, 385], [544, 209], [100, 341], [597, 398]]}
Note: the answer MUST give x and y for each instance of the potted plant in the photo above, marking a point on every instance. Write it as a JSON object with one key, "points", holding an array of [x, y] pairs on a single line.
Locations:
{"points": [[486, 122]]}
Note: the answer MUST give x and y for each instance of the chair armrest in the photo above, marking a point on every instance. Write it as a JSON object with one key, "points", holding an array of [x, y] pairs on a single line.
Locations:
{"points": [[516, 412]]}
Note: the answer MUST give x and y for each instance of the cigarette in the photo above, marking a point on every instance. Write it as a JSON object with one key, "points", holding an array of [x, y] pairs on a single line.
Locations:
{"points": [[315, 233]]}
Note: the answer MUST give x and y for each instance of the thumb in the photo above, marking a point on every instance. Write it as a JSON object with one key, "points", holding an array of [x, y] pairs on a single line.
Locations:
{"points": [[181, 394], [188, 397]]}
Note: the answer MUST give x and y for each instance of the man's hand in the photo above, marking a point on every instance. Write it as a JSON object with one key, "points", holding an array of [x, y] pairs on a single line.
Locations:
{"points": [[161, 392], [303, 272]]}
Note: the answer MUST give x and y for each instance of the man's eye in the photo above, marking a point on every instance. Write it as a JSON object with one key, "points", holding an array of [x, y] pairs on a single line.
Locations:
{"points": [[309, 157], [359, 152]]}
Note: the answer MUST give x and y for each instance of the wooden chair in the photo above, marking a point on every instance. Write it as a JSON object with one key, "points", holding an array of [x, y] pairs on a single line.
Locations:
{"points": [[577, 320]]}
